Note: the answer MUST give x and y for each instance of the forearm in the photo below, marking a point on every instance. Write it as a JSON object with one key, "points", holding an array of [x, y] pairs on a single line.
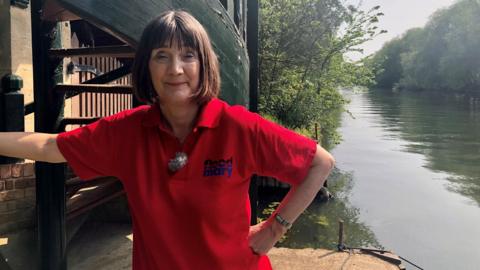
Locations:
{"points": [[301, 196], [35, 146]]}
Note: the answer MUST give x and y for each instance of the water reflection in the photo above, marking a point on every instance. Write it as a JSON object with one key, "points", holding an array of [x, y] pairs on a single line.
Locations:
{"points": [[317, 227], [443, 128]]}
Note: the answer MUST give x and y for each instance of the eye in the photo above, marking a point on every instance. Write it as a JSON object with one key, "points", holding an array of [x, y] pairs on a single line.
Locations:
{"points": [[161, 55], [190, 55]]}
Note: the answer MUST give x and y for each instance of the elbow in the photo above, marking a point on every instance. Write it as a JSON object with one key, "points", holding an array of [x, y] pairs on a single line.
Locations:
{"points": [[330, 162], [324, 159], [51, 153]]}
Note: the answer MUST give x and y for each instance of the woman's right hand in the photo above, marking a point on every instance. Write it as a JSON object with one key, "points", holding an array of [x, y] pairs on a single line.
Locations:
{"points": [[264, 235]]}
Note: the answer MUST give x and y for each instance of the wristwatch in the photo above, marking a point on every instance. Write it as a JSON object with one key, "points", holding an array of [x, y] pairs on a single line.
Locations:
{"points": [[282, 221]]}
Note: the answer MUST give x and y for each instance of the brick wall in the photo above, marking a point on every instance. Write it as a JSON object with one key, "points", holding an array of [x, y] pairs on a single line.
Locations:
{"points": [[17, 196]]}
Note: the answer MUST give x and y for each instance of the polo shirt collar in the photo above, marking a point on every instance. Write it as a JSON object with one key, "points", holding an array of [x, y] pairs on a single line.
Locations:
{"points": [[209, 116]]}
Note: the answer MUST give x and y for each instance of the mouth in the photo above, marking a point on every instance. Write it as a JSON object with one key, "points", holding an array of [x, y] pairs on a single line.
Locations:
{"points": [[175, 83]]}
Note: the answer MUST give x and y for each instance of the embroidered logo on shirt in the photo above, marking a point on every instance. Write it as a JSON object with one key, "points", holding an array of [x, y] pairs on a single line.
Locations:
{"points": [[218, 167]]}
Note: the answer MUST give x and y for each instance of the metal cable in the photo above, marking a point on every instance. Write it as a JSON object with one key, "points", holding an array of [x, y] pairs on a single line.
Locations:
{"points": [[380, 250], [410, 262]]}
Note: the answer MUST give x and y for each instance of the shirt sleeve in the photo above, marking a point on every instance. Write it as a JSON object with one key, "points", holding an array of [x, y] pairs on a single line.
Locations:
{"points": [[90, 150], [282, 153]]}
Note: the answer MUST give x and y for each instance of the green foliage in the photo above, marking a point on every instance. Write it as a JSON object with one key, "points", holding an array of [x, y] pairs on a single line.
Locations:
{"points": [[317, 227], [443, 56], [302, 43]]}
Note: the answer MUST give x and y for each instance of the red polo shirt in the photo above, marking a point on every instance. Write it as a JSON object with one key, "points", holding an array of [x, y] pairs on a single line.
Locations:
{"points": [[197, 217]]}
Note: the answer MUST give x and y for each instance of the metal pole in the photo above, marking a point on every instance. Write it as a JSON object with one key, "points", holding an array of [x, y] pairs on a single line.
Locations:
{"points": [[340, 245], [252, 47], [50, 184], [12, 117]]}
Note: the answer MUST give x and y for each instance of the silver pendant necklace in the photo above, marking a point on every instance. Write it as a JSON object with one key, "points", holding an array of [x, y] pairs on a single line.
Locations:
{"points": [[178, 162]]}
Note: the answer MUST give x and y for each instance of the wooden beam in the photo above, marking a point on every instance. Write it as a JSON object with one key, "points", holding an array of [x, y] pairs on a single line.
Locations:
{"points": [[75, 121], [94, 88], [123, 51], [93, 195], [104, 78]]}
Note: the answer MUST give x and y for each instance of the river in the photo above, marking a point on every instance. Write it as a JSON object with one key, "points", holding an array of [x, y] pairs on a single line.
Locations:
{"points": [[407, 179]]}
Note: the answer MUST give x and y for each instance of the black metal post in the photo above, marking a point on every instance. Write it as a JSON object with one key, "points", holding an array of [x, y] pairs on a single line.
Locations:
{"points": [[12, 118], [50, 184], [252, 47]]}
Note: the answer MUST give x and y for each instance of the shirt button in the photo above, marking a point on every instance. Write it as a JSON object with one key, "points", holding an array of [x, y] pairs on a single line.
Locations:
{"points": [[195, 129]]}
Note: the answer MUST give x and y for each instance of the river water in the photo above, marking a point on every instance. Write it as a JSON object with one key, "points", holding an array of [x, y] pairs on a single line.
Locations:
{"points": [[415, 162], [407, 180]]}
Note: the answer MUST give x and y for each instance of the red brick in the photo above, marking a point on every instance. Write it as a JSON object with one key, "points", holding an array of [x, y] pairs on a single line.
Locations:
{"points": [[9, 184], [24, 183], [19, 183], [15, 216], [6, 195], [3, 207], [5, 171], [11, 205], [17, 225], [20, 204], [29, 169], [11, 195], [30, 192], [31, 182], [17, 170]]}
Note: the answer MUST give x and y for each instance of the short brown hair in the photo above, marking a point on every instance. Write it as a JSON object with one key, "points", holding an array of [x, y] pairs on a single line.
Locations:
{"points": [[181, 28]]}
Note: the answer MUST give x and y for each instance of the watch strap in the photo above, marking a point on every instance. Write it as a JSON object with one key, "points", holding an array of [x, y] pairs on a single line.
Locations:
{"points": [[282, 221]]}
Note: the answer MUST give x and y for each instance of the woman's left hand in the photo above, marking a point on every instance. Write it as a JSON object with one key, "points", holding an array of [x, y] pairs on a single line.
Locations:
{"points": [[263, 236]]}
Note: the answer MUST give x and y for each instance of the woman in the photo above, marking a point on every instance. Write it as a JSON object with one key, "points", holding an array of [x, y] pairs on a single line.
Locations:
{"points": [[185, 159]]}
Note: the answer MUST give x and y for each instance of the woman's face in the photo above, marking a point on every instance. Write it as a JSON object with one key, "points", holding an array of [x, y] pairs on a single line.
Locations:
{"points": [[175, 73]]}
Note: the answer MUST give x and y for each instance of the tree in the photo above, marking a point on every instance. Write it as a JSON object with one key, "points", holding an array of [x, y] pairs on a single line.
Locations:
{"points": [[443, 56], [302, 43]]}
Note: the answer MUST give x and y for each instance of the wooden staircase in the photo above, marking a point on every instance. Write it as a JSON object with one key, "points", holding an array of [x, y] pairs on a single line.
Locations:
{"points": [[96, 83], [90, 95]]}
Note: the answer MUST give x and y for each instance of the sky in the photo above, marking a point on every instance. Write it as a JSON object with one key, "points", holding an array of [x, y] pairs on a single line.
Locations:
{"points": [[400, 15]]}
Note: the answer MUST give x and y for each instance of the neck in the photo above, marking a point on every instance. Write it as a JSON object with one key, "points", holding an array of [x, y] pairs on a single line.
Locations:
{"points": [[180, 118]]}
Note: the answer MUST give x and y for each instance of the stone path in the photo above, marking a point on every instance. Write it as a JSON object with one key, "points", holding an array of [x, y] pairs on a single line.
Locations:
{"points": [[111, 250], [108, 246]]}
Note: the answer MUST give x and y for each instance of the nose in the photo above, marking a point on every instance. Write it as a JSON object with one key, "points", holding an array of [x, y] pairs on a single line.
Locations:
{"points": [[176, 66]]}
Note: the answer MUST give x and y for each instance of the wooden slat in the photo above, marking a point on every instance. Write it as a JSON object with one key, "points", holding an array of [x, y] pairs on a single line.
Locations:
{"points": [[77, 182], [123, 51], [89, 197], [72, 185], [75, 121], [79, 120], [94, 88]]}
